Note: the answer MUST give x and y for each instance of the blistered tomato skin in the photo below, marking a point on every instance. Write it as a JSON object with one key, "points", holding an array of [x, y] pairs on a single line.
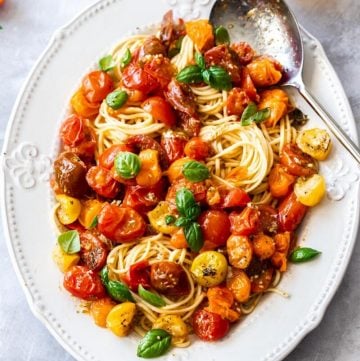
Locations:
{"points": [[215, 226], [209, 326], [291, 213]]}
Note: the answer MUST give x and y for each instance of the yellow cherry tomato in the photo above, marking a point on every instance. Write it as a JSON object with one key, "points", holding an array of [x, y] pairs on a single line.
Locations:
{"points": [[120, 318], [157, 218], [175, 326], [310, 191], [209, 268], [89, 210], [150, 171], [64, 260], [100, 309], [69, 209], [315, 142]]}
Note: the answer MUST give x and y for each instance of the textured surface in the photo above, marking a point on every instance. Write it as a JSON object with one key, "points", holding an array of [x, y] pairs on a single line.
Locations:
{"points": [[335, 24]]}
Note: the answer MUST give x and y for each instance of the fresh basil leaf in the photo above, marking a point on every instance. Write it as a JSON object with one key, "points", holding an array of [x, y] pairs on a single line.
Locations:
{"points": [[104, 275], [200, 60], [193, 212], [117, 99], [69, 242], [195, 171], [249, 111], [155, 343], [106, 63], [151, 297], [190, 75], [219, 78], [169, 219], [258, 117], [184, 199], [303, 254], [206, 77], [182, 222], [127, 164], [94, 222], [126, 59], [194, 236], [221, 35]]}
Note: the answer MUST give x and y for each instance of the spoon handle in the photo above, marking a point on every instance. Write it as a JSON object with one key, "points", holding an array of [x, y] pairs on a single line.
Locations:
{"points": [[352, 148]]}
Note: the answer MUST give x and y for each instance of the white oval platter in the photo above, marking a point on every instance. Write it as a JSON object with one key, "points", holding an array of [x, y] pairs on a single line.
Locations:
{"points": [[278, 324]]}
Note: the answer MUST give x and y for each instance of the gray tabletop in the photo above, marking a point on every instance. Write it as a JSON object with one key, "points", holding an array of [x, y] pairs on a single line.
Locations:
{"points": [[26, 29]]}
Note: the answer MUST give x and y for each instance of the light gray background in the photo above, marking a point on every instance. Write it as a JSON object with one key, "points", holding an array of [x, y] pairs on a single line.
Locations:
{"points": [[27, 27]]}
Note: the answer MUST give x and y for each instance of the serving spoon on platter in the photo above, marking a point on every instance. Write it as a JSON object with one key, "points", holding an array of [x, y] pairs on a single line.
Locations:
{"points": [[271, 28]]}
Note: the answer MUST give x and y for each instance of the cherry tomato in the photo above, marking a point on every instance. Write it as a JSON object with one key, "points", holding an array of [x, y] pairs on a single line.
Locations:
{"points": [[173, 143], [246, 222], [210, 326], [169, 278], [244, 51], [297, 162], [161, 110], [291, 213], [261, 281], [268, 219], [136, 78], [152, 46], [198, 189], [280, 181], [82, 106], [197, 149], [96, 86], [139, 274], [100, 180], [161, 69], [190, 124], [120, 224], [234, 197], [84, 283], [93, 252], [237, 101], [215, 226], [248, 86], [72, 130], [106, 158]]}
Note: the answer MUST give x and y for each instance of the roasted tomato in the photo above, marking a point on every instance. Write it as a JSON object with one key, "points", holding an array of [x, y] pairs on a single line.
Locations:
{"points": [[197, 149], [268, 219], [120, 224], [265, 71], [136, 78], [215, 226], [171, 30], [239, 284], [278, 103], [244, 51], [297, 162], [198, 189], [261, 280], [190, 124], [70, 172], [209, 326], [223, 56], [240, 251], [291, 213], [237, 101], [93, 251], [160, 69], [152, 46], [246, 222], [160, 110], [139, 274], [248, 86], [96, 86], [173, 143], [169, 278], [101, 181], [280, 181], [82, 106], [106, 158], [233, 197], [84, 283]]}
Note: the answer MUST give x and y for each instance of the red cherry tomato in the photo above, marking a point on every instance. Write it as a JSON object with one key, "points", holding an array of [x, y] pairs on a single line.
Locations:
{"points": [[120, 224], [244, 223], [136, 78], [215, 226], [237, 101], [234, 197], [96, 86], [139, 274], [72, 130], [106, 158], [248, 86], [84, 283], [291, 213], [161, 110], [173, 143], [197, 149], [296, 161], [268, 219], [101, 181], [161, 69], [210, 326], [93, 252]]}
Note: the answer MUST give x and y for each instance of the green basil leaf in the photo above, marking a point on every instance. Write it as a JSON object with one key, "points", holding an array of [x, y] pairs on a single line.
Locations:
{"points": [[206, 77], [200, 60], [303, 254], [151, 297], [155, 343], [169, 219], [94, 222], [117, 99], [221, 35], [219, 78], [190, 75], [195, 171], [126, 59], [104, 275], [184, 199], [182, 222], [193, 212], [194, 236], [258, 117], [69, 242], [106, 63], [127, 164], [249, 111]]}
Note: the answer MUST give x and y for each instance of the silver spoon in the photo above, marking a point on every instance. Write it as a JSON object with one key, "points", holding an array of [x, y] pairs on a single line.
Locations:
{"points": [[271, 28]]}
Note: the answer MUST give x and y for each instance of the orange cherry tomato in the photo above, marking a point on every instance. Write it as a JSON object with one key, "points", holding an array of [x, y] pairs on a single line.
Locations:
{"points": [[264, 71], [233, 197], [82, 106], [100, 309], [261, 281], [209, 326], [280, 181], [237, 101], [246, 222], [160, 110], [291, 213], [278, 103], [106, 158], [101, 181], [197, 149], [215, 226], [178, 239], [96, 86]]}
